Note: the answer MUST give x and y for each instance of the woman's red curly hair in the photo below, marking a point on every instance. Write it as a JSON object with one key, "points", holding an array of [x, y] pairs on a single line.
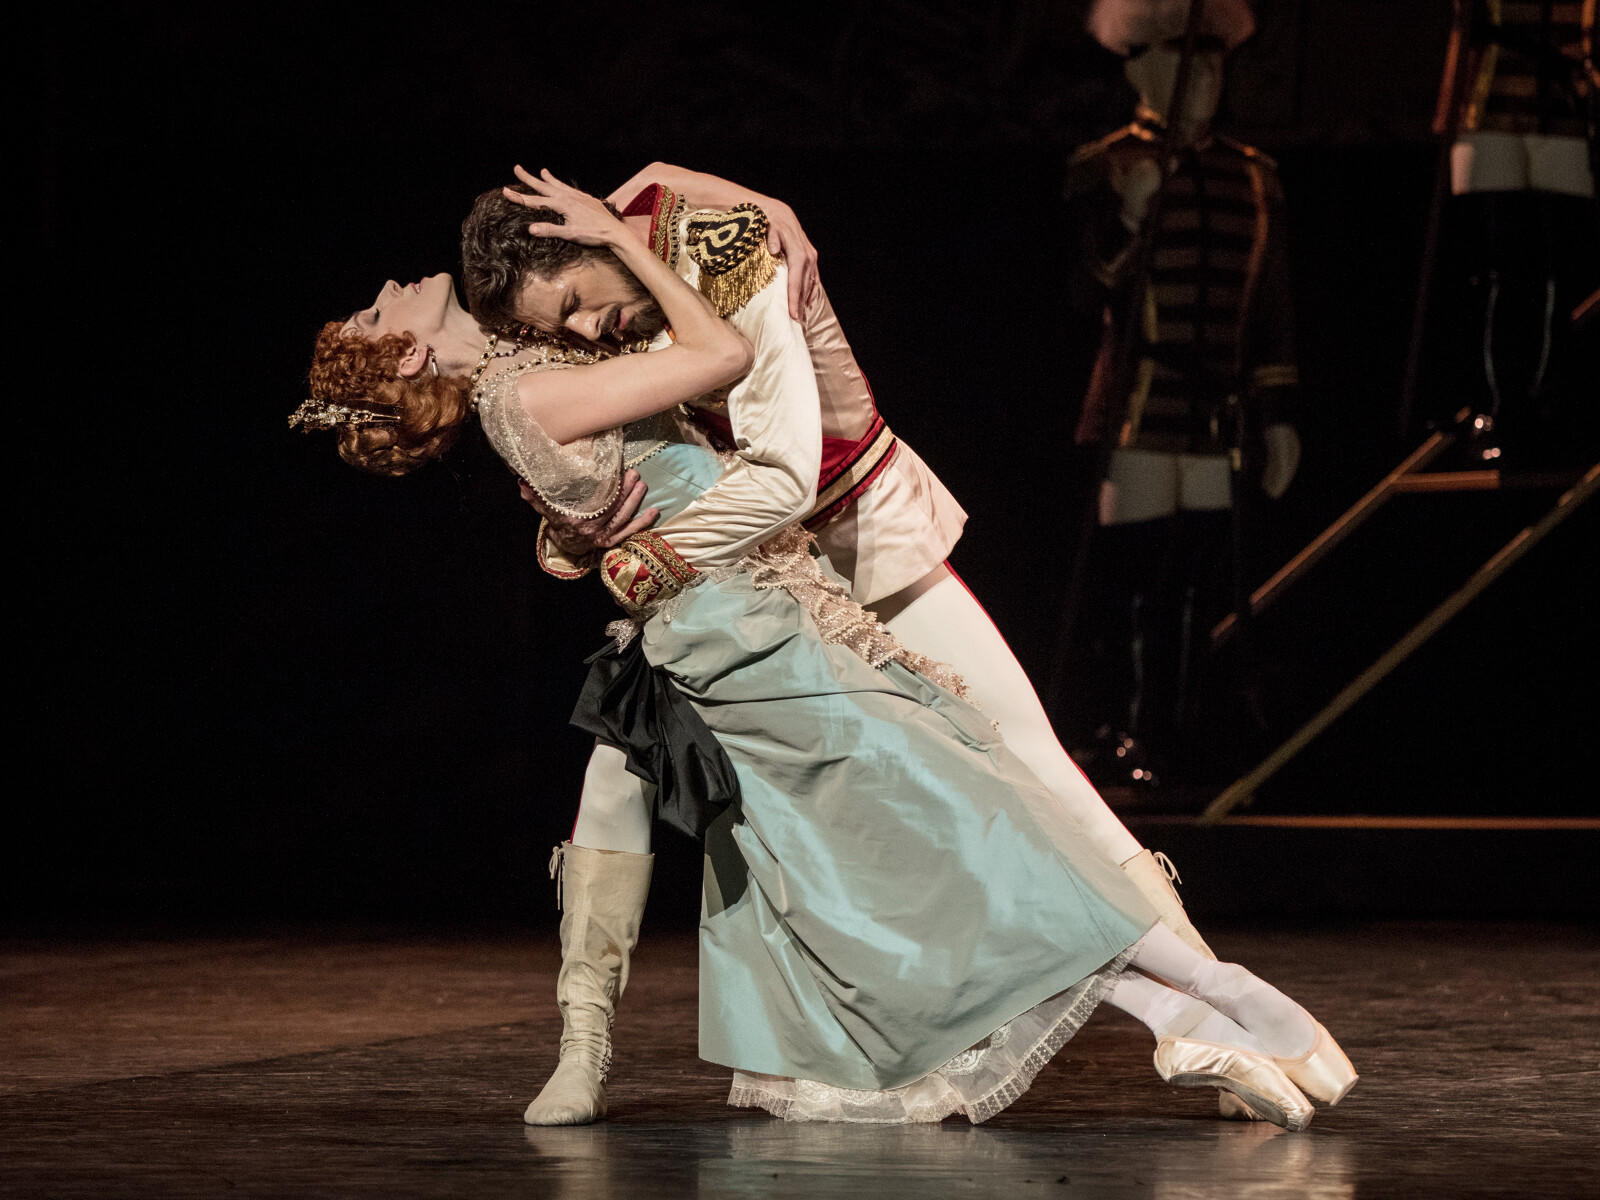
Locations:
{"points": [[350, 370]]}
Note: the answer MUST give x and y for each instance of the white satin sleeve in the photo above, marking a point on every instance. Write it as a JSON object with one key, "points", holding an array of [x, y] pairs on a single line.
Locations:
{"points": [[777, 430]]}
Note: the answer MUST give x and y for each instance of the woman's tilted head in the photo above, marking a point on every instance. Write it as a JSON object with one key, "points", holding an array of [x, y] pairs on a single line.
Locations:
{"points": [[395, 424], [391, 380]]}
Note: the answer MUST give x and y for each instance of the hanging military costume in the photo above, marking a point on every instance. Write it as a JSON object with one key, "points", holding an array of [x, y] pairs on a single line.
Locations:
{"points": [[1210, 387]]}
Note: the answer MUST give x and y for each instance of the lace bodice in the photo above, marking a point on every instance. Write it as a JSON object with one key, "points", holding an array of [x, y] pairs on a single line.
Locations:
{"points": [[581, 478]]}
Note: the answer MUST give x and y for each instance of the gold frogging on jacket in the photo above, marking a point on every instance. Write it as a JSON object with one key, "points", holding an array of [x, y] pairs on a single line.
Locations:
{"points": [[730, 249], [645, 572]]}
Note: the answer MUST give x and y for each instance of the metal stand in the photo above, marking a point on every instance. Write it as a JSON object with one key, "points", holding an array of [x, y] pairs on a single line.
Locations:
{"points": [[1402, 479]]}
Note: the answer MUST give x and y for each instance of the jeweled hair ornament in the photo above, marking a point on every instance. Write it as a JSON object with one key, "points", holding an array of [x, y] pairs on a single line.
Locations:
{"points": [[316, 414]]}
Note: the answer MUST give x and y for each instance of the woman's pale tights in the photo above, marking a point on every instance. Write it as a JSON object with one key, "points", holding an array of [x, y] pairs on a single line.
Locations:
{"points": [[1277, 1022], [1167, 1012]]}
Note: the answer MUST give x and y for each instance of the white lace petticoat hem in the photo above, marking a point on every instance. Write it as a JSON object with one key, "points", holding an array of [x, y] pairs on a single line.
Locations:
{"points": [[977, 1083]]}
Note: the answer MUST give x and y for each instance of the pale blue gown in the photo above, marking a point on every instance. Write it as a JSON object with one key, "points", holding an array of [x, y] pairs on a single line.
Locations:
{"points": [[898, 921]]}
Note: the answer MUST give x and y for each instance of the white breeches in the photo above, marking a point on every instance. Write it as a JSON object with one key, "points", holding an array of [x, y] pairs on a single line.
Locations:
{"points": [[1492, 161], [614, 813], [947, 623], [1148, 484]]}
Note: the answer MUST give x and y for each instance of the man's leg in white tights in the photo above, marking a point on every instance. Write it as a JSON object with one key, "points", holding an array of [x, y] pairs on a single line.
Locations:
{"points": [[614, 812], [947, 623]]}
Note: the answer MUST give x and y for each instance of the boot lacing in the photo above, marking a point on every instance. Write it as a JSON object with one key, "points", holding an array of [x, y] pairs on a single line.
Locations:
{"points": [[1168, 867], [586, 1044], [556, 873]]}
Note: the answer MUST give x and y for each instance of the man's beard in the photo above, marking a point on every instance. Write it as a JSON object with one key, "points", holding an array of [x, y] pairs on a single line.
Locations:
{"points": [[648, 319]]}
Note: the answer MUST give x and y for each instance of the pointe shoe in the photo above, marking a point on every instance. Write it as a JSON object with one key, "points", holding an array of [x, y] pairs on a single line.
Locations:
{"points": [[1254, 1079], [1322, 1072]]}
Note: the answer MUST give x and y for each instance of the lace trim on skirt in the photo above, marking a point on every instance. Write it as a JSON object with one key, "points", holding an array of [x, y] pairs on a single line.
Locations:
{"points": [[786, 561], [977, 1083]]}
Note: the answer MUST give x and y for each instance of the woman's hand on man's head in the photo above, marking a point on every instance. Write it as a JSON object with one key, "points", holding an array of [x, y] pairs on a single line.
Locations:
{"points": [[587, 220]]}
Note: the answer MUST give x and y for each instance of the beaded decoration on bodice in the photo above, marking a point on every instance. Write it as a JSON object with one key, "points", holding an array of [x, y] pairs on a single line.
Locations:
{"points": [[650, 435]]}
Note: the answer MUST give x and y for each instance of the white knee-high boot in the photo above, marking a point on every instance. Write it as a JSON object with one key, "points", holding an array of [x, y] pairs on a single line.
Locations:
{"points": [[603, 894]]}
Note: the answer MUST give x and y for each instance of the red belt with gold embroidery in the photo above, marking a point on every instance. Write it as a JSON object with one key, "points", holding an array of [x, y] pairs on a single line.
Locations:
{"points": [[644, 572], [849, 468]]}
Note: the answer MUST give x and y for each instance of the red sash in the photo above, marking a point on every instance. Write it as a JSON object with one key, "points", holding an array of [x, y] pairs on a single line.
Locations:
{"points": [[849, 466]]}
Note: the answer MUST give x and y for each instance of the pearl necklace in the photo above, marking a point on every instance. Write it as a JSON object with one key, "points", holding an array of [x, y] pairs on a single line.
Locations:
{"points": [[489, 354]]}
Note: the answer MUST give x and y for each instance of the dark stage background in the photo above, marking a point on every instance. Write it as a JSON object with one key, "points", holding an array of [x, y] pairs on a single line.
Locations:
{"points": [[255, 684]]}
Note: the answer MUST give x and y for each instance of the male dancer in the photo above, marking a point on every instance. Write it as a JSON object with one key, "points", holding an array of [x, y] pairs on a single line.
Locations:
{"points": [[883, 519]]}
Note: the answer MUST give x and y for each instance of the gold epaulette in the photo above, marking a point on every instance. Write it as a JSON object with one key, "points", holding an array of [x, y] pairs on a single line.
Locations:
{"points": [[730, 249], [1089, 162]]}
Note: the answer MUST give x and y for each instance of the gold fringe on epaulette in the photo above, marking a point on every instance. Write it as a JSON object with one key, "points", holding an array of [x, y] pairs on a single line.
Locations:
{"points": [[730, 249], [732, 290]]}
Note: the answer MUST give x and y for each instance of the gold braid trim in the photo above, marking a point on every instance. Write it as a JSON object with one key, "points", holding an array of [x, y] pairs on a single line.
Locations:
{"points": [[665, 233], [730, 249], [557, 563], [867, 460]]}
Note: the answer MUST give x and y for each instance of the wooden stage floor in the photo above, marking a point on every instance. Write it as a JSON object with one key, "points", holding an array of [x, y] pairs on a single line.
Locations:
{"points": [[312, 1065]]}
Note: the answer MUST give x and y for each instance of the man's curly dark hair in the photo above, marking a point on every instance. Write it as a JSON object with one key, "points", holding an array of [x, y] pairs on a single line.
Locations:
{"points": [[498, 255]]}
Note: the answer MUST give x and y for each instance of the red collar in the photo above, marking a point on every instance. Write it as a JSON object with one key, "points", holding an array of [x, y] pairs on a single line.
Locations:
{"points": [[664, 207]]}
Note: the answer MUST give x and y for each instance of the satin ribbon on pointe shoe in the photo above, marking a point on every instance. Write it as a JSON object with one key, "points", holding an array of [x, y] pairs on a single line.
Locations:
{"points": [[1255, 1079]]}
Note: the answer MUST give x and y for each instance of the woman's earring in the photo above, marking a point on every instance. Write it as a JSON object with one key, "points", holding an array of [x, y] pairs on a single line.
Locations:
{"points": [[433, 362]]}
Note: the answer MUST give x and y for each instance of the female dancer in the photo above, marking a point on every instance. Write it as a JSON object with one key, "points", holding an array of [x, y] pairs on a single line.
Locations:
{"points": [[897, 921]]}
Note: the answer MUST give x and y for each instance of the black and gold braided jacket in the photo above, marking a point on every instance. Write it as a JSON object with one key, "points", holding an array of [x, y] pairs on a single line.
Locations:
{"points": [[1215, 318]]}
